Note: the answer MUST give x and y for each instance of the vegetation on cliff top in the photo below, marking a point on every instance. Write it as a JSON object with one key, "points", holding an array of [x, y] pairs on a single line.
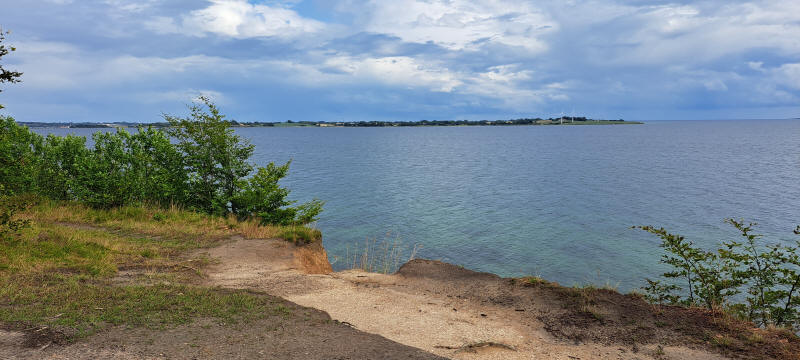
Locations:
{"points": [[76, 269], [750, 279], [206, 168]]}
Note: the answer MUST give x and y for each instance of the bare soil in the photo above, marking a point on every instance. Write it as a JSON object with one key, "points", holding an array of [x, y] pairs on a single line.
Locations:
{"points": [[300, 333]]}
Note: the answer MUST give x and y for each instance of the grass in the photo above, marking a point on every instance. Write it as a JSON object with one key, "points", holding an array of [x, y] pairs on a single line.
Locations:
{"points": [[61, 271], [384, 256], [722, 341], [86, 305], [537, 280], [189, 229]]}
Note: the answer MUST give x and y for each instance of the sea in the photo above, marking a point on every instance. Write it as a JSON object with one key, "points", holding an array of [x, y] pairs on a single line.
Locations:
{"points": [[557, 202]]}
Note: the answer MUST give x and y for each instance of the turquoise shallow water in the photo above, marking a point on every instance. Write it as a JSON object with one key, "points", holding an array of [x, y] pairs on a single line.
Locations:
{"points": [[557, 202]]}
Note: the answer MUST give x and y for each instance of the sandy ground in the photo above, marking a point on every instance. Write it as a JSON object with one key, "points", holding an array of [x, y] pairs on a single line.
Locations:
{"points": [[302, 334], [435, 307]]}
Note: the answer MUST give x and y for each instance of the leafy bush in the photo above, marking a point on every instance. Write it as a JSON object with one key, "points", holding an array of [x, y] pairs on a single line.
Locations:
{"points": [[755, 281], [9, 225], [215, 158], [206, 169], [18, 156], [216, 164], [59, 168], [262, 197]]}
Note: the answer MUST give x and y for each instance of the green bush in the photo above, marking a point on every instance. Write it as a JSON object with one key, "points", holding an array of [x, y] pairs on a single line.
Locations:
{"points": [[18, 156], [755, 281], [60, 161], [9, 225], [215, 159], [262, 197], [206, 168]]}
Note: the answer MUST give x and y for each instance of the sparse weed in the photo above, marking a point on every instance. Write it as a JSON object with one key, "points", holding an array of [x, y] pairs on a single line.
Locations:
{"points": [[383, 256]]}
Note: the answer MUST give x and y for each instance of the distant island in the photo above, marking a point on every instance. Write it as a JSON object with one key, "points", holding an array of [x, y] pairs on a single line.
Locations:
{"points": [[578, 120]]}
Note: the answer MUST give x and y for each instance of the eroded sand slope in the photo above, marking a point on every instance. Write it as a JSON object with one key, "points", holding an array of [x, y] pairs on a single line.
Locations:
{"points": [[430, 305]]}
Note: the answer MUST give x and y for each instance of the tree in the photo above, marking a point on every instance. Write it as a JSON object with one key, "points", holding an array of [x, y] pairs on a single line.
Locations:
{"points": [[215, 157], [7, 75], [18, 156], [217, 164]]}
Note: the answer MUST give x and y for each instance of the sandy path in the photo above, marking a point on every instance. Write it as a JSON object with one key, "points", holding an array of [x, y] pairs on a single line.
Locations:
{"points": [[410, 311]]}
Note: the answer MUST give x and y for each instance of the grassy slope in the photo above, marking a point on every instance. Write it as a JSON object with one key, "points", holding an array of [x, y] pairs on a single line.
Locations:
{"points": [[63, 270]]}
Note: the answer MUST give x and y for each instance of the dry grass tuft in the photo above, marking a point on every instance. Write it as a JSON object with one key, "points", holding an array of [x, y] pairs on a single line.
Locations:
{"points": [[383, 256]]}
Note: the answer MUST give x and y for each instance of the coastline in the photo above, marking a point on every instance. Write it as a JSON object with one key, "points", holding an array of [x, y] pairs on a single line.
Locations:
{"points": [[423, 123], [426, 310]]}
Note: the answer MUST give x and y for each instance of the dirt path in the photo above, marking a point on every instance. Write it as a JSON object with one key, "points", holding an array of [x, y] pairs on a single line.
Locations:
{"points": [[436, 307]]}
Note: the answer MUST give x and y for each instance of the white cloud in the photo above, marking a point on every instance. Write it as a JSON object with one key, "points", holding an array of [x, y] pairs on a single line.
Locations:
{"points": [[162, 25], [238, 19], [460, 24], [508, 84], [697, 34], [396, 70], [131, 6], [788, 75], [181, 96], [58, 66], [502, 55]]}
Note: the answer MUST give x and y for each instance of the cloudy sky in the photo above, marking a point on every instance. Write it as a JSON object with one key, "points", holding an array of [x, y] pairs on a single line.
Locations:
{"points": [[341, 60]]}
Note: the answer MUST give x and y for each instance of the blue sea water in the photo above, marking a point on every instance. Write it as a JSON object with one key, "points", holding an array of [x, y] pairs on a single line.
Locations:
{"points": [[552, 201]]}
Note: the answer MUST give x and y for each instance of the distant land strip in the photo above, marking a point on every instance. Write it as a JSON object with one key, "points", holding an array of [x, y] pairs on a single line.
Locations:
{"points": [[527, 121]]}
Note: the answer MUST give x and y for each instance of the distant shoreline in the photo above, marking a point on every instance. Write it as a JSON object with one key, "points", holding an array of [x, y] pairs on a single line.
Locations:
{"points": [[421, 123]]}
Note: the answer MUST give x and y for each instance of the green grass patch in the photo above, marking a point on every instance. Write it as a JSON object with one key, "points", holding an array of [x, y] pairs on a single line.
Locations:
{"points": [[52, 248], [85, 305], [59, 271], [185, 229], [300, 235]]}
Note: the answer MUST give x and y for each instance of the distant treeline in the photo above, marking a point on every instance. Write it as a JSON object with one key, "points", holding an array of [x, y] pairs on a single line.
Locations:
{"points": [[522, 121]]}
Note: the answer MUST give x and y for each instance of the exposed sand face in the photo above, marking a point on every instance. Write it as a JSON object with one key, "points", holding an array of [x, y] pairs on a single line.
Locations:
{"points": [[427, 312]]}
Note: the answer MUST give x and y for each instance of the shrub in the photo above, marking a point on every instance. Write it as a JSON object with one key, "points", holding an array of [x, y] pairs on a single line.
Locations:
{"points": [[262, 197], [9, 225], [60, 161], [215, 158], [767, 276], [18, 156], [205, 169]]}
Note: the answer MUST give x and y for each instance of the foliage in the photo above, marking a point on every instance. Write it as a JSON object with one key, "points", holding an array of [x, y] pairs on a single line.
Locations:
{"points": [[8, 76], [660, 293], [214, 157], [58, 171], [262, 197], [9, 225], [18, 157], [765, 276], [206, 168]]}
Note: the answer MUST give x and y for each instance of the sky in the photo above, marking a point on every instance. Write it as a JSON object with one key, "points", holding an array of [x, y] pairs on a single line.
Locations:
{"points": [[353, 60]]}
